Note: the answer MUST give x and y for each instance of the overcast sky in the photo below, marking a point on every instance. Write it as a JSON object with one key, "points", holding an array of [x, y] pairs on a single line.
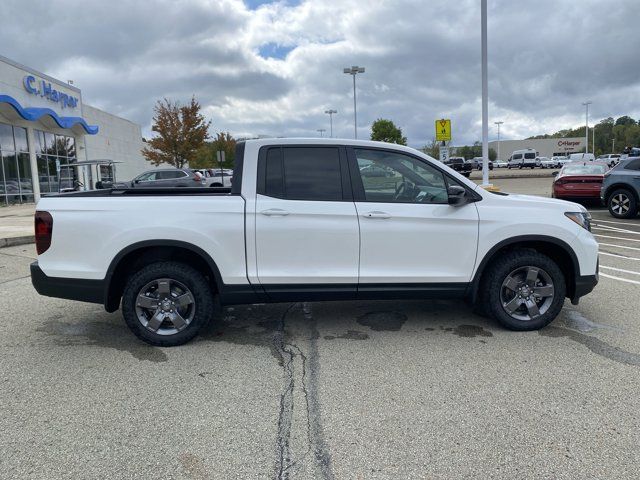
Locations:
{"points": [[273, 68]]}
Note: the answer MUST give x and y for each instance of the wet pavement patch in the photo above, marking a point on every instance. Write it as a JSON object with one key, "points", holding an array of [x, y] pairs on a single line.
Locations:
{"points": [[100, 334], [575, 320], [383, 321], [468, 331], [597, 346], [248, 325], [350, 335]]}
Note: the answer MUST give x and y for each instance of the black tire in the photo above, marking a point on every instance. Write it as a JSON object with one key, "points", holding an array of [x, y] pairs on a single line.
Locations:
{"points": [[492, 288], [467, 174], [618, 199], [520, 167], [200, 310]]}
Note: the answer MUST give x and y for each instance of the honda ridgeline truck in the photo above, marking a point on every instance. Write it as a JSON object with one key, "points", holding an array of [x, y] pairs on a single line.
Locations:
{"points": [[301, 223]]}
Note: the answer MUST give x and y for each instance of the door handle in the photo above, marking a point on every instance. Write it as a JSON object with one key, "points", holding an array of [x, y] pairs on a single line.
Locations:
{"points": [[377, 214], [275, 212]]}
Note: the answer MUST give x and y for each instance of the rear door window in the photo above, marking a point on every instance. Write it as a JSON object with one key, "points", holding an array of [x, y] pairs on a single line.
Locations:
{"points": [[633, 165], [529, 156], [303, 173]]}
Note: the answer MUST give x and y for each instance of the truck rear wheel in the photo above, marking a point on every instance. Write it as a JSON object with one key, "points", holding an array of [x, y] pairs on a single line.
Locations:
{"points": [[167, 303], [523, 290]]}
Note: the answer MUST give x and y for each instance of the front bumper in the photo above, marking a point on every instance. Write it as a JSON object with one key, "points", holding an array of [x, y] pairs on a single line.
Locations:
{"points": [[584, 285], [82, 290]]}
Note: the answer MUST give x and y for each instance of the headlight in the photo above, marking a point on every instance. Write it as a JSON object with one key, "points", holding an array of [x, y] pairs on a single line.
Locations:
{"points": [[581, 218]]}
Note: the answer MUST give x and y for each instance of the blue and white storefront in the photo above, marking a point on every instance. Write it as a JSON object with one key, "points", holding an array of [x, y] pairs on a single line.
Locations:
{"points": [[45, 129]]}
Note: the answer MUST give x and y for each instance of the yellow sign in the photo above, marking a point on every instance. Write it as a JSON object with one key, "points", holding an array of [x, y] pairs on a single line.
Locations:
{"points": [[443, 130]]}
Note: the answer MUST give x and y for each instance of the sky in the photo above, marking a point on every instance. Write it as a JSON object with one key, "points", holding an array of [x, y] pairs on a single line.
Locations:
{"points": [[273, 67]]}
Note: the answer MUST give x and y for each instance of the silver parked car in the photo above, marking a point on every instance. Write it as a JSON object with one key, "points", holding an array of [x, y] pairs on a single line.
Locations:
{"points": [[167, 177]]}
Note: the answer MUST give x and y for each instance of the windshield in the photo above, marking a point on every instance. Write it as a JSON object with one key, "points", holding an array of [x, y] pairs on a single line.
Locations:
{"points": [[583, 169]]}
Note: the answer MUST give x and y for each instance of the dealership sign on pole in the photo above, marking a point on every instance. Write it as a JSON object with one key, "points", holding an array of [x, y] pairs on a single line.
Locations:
{"points": [[443, 130]]}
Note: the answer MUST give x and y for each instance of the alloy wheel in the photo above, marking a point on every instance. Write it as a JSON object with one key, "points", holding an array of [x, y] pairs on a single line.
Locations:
{"points": [[527, 293], [620, 203], [165, 306]]}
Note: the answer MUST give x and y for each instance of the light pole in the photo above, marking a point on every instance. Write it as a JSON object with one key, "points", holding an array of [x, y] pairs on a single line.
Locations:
{"points": [[498, 124], [613, 145], [322, 130], [353, 71], [485, 96], [330, 112], [586, 129]]}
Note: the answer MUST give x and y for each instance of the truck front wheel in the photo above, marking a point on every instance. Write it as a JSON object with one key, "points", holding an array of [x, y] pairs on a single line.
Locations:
{"points": [[167, 303], [523, 290]]}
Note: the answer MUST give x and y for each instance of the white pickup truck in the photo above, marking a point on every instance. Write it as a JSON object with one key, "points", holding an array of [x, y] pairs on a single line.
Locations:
{"points": [[304, 221]]}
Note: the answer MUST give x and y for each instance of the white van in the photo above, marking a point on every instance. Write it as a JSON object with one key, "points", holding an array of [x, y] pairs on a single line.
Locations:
{"points": [[523, 158], [582, 157]]}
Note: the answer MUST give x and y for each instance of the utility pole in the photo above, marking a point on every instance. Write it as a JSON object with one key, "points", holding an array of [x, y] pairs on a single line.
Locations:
{"points": [[613, 145], [586, 130], [498, 124], [353, 71], [330, 112]]}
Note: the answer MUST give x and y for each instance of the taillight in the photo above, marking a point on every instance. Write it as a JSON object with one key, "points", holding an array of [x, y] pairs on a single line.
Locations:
{"points": [[44, 229]]}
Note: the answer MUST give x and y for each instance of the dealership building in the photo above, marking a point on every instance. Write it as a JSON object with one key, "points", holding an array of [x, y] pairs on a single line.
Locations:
{"points": [[51, 140], [546, 147]]}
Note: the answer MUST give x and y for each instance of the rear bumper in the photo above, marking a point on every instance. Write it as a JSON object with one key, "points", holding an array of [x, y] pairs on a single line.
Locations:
{"points": [[79, 289]]}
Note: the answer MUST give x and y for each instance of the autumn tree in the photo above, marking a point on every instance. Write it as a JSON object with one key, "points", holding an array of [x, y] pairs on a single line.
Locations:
{"points": [[206, 155], [181, 130], [385, 131]]}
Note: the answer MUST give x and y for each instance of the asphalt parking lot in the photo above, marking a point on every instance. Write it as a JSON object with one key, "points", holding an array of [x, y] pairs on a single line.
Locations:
{"points": [[420, 389]]}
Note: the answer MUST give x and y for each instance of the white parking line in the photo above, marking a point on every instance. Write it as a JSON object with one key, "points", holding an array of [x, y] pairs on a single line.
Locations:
{"points": [[607, 228], [619, 246], [620, 270], [618, 223], [617, 238], [618, 278], [619, 256]]}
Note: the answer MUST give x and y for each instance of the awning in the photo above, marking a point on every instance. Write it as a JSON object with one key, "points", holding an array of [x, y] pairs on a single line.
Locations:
{"points": [[34, 114]]}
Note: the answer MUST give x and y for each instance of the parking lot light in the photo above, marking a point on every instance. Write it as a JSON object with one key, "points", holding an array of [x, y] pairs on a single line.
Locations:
{"points": [[353, 71], [330, 112]]}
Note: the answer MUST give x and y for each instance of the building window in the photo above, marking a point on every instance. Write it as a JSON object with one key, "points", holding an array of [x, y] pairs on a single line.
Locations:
{"points": [[16, 180], [51, 150]]}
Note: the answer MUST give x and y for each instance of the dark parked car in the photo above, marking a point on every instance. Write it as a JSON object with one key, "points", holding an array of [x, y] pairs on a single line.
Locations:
{"points": [[621, 188], [168, 177], [459, 165], [579, 181], [476, 163]]}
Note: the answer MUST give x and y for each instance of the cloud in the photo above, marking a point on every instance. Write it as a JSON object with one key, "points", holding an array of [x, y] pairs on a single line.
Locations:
{"points": [[274, 67]]}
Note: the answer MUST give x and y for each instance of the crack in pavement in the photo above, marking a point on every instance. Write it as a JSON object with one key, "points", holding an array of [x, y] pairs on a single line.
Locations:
{"points": [[288, 352], [14, 279]]}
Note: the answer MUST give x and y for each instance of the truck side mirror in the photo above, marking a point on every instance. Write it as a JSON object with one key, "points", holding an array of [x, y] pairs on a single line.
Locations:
{"points": [[456, 195]]}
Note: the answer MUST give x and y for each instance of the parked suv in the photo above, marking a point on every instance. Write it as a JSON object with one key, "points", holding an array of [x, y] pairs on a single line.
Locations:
{"points": [[168, 177], [621, 188], [459, 165], [476, 163]]}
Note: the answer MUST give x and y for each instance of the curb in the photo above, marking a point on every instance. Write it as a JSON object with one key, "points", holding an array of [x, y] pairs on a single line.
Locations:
{"points": [[13, 241]]}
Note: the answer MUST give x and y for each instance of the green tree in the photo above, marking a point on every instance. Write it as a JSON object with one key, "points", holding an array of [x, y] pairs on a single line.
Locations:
{"points": [[385, 131], [206, 155], [181, 131], [625, 120], [432, 148]]}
